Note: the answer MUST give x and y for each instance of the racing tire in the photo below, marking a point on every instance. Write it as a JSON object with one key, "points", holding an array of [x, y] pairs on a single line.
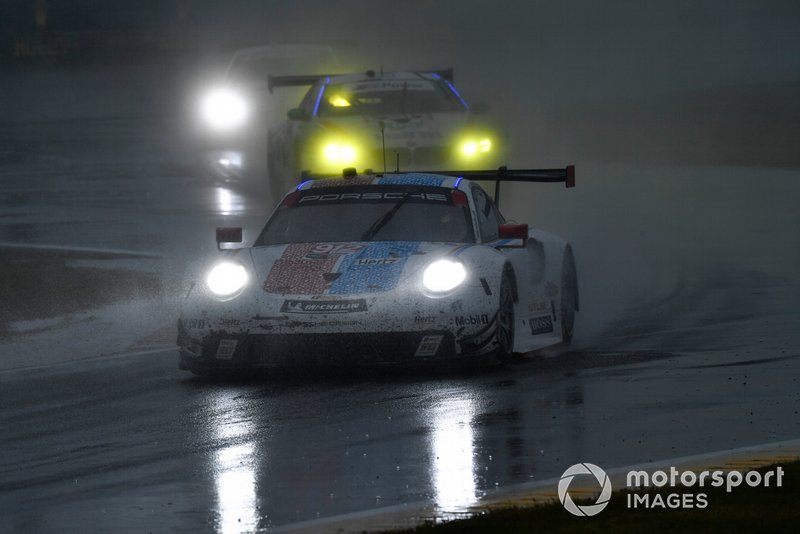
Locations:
{"points": [[504, 333], [569, 298]]}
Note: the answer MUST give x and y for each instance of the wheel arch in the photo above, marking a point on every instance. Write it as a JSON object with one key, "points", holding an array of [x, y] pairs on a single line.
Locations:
{"points": [[572, 272], [508, 270]]}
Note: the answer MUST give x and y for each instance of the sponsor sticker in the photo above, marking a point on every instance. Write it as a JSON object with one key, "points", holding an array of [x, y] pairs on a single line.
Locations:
{"points": [[393, 85], [427, 319], [471, 320], [226, 349], [198, 324], [428, 346], [376, 261], [538, 306], [324, 306], [541, 325]]}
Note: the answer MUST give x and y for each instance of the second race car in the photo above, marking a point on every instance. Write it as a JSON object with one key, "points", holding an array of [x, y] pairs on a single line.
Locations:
{"points": [[379, 121]]}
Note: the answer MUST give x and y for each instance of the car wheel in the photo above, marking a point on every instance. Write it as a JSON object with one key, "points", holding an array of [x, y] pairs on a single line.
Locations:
{"points": [[504, 333], [569, 298]]}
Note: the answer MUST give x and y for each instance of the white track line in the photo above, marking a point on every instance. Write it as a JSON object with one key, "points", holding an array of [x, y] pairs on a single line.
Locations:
{"points": [[68, 248], [106, 357]]}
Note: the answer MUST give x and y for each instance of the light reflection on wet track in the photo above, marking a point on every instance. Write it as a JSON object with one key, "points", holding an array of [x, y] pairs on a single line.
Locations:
{"points": [[261, 454]]}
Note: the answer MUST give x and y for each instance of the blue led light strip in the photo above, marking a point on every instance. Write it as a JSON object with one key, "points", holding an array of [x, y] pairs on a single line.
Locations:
{"points": [[455, 92], [319, 96]]}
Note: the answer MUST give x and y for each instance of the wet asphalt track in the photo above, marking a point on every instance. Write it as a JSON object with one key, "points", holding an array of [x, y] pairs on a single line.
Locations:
{"points": [[129, 444]]}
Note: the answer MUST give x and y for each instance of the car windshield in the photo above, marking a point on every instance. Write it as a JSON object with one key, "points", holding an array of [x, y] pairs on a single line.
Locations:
{"points": [[388, 97], [376, 213]]}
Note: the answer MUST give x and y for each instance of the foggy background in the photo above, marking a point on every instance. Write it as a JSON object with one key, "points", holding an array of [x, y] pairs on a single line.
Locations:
{"points": [[680, 81]]}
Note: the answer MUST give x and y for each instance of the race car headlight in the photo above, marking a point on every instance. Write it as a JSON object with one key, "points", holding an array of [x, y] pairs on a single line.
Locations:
{"points": [[226, 279], [444, 275], [473, 147], [339, 153], [224, 109]]}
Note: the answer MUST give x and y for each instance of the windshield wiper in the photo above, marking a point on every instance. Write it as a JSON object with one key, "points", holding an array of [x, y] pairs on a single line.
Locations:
{"points": [[384, 219]]}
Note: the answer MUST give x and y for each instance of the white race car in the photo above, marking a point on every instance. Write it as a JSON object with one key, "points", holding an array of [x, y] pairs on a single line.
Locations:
{"points": [[382, 268], [379, 121]]}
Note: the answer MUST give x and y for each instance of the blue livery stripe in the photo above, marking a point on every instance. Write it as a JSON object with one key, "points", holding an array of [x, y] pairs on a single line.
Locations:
{"points": [[376, 268]]}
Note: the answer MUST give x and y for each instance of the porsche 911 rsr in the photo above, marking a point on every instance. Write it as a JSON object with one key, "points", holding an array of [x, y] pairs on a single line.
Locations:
{"points": [[391, 268], [379, 121]]}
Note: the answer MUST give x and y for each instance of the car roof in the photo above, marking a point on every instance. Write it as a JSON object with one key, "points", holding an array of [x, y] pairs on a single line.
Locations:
{"points": [[405, 178]]}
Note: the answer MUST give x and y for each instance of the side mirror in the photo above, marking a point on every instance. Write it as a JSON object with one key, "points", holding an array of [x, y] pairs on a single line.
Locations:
{"points": [[297, 114], [517, 234], [479, 108], [228, 237]]}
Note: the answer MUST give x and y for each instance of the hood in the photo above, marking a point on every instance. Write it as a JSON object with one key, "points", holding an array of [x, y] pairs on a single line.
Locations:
{"points": [[342, 268]]}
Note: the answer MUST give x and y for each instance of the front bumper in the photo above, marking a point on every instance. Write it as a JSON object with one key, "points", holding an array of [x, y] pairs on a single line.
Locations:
{"points": [[286, 351], [396, 327]]}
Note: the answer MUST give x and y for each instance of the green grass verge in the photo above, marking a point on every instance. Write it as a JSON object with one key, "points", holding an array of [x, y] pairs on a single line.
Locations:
{"points": [[745, 509]]}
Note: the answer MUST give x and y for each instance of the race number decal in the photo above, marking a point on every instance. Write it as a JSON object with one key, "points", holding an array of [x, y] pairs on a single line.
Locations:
{"points": [[322, 250]]}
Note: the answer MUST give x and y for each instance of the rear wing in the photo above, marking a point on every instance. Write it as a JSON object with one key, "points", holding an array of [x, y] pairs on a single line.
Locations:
{"points": [[311, 79], [504, 174]]}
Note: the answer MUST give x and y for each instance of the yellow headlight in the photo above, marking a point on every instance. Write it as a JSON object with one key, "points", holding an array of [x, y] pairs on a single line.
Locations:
{"points": [[339, 153], [472, 147], [338, 101]]}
